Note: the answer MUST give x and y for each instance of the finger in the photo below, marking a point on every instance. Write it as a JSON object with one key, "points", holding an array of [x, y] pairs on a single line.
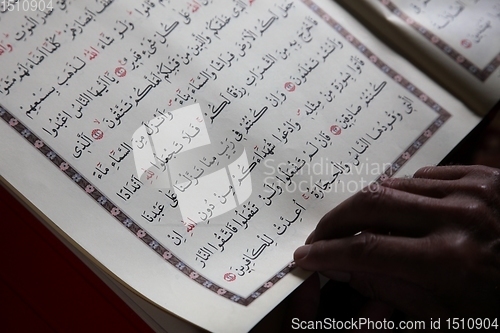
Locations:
{"points": [[453, 172], [434, 188], [472, 199], [380, 208], [408, 298], [405, 258], [469, 187], [484, 182]]}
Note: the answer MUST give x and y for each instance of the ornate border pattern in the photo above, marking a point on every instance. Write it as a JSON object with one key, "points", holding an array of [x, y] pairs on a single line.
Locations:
{"points": [[480, 73], [164, 252]]}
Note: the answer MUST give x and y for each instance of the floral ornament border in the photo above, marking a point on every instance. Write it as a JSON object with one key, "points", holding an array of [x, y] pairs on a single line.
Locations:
{"points": [[125, 220], [443, 115], [480, 73], [163, 251]]}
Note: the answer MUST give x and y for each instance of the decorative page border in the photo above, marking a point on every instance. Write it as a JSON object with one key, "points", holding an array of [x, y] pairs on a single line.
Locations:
{"points": [[163, 251], [482, 74]]}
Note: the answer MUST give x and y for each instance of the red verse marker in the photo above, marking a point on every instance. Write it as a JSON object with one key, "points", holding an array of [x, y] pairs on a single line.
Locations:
{"points": [[336, 130]]}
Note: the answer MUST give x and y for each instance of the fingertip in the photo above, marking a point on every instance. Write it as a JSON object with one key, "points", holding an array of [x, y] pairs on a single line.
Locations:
{"points": [[301, 253], [397, 183], [423, 172], [387, 182]]}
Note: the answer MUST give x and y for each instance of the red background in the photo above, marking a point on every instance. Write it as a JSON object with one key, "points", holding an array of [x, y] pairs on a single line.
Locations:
{"points": [[44, 287]]}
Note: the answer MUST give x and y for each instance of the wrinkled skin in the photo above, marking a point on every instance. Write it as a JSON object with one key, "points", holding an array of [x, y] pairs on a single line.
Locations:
{"points": [[429, 245]]}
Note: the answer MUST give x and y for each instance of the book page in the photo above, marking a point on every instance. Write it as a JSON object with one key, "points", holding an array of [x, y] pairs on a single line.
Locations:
{"points": [[459, 36], [190, 147]]}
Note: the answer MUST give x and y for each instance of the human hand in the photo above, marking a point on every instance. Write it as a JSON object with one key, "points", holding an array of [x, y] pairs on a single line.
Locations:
{"points": [[429, 245]]}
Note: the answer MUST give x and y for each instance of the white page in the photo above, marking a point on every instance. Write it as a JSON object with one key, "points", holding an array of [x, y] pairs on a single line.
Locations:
{"points": [[455, 41], [304, 109], [477, 24]]}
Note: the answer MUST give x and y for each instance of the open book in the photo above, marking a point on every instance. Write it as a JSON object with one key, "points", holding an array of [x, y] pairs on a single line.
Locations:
{"points": [[185, 149]]}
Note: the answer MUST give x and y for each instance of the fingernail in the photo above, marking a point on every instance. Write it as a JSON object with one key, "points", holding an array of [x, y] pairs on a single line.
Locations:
{"points": [[387, 182], [301, 252]]}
